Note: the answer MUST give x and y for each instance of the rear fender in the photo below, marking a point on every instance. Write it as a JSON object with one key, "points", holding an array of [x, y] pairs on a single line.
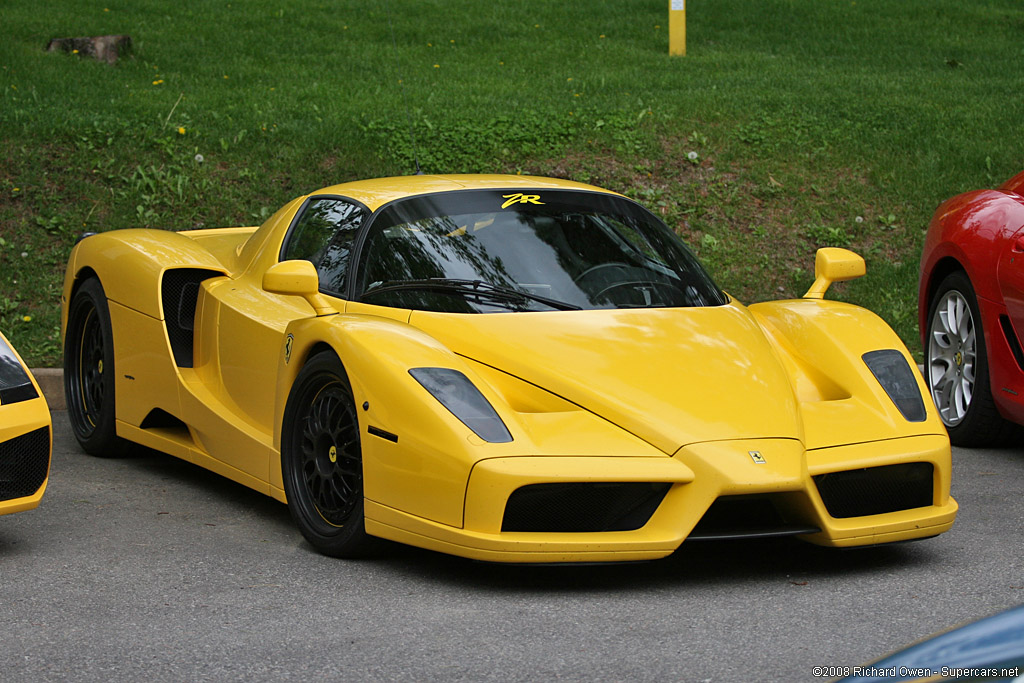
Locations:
{"points": [[130, 264]]}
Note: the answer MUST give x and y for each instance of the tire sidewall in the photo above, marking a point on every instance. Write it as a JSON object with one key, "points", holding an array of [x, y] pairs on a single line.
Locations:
{"points": [[102, 437], [350, 539], [970, 427]]}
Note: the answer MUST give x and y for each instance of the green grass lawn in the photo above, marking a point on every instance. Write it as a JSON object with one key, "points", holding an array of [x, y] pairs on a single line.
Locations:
{"points": [[815, 122]]}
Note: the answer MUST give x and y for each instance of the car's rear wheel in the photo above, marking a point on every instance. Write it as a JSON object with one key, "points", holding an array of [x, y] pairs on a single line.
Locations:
{"points": [[89, 372], [956, 366], [321, 460]]}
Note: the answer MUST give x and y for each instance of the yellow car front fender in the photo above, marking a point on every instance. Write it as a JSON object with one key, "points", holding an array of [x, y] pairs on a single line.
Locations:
{"points": [[425, 469], [822, 344]]}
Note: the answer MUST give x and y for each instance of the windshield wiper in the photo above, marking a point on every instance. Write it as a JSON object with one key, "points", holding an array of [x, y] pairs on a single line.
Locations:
{"points": [[477, 288]]}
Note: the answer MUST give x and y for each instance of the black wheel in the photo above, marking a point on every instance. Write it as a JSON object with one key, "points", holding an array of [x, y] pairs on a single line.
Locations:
{"points": [[956, 367], [89, 372], [321, 460]]}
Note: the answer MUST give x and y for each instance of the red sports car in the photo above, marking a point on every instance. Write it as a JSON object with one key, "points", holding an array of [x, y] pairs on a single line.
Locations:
{"points": [[971, 313]]}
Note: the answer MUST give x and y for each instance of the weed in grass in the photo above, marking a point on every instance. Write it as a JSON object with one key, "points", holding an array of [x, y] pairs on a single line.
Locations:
{"points": [[709, 244], [826, 235]]}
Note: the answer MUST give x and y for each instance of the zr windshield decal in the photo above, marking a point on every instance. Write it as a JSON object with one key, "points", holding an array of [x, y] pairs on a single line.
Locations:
{"points": [[520, 198]]}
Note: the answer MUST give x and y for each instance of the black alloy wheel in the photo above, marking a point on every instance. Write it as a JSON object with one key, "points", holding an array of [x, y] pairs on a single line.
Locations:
{"points": [[321, 460], [89, 372]]}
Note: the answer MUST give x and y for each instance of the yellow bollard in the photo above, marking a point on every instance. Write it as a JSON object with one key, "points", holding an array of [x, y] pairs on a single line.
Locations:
{"points": [[677, 27]]}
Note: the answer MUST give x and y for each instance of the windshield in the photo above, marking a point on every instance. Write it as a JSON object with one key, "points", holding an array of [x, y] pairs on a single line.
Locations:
{"points": [[480, 251]]}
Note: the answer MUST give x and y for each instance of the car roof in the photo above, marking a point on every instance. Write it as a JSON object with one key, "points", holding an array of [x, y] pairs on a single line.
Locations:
{"points": [[379, 191]]}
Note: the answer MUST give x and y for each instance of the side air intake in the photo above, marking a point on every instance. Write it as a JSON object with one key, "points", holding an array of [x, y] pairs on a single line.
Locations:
{"points": [[180, 293]]}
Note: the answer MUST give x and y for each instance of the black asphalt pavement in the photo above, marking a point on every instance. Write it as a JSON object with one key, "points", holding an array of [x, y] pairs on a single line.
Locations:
{"points": [[149, 568]]}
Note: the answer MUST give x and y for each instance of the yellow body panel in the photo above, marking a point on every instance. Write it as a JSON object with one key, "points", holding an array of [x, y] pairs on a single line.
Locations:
{"points": [[715, 401], [654, 372], [699, 475], [821, 343], [16, 420], [146, 376], [894, 526]]}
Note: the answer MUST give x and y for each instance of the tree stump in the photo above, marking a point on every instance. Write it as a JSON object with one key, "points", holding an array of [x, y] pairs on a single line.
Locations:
{"points": [[103, 48]]}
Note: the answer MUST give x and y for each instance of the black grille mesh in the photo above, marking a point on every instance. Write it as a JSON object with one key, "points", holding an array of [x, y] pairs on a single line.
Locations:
{"points": [[24, 463], [578, 507], [180, 292], [876, 490]]}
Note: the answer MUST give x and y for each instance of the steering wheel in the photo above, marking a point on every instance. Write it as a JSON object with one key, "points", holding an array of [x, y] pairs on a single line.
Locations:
{"points": [[639, 285], [598, 268]]}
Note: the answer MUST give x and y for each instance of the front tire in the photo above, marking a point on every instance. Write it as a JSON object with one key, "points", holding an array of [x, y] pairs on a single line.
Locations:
{"points": [[89, 372], [321, 460], [956, 366]]}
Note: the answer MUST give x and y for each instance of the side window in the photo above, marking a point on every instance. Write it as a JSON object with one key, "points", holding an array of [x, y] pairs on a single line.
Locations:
{"points": [[324, 235]]}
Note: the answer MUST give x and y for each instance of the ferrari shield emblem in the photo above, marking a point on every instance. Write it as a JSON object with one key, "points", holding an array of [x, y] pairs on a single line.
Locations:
{"points": [[757, 457], [288, 348]]}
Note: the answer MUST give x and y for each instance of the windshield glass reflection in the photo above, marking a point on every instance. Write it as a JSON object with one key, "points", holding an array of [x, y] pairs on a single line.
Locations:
{"points": [[479, 251]]}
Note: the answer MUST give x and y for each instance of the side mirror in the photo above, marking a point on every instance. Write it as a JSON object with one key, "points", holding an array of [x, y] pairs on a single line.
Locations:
{"points": [[832, 264], [297, 278]]}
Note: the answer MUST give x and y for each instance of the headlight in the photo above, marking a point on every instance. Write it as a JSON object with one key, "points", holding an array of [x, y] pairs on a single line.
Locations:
{"points": [[15, 384], [464, 401], [893, 372]]}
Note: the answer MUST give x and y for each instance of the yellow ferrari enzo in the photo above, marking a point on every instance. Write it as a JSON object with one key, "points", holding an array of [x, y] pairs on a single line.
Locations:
{"points": [[25, 439], [505, 368]]}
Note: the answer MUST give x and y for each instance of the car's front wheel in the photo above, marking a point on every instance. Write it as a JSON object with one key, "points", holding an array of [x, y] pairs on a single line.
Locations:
{"points": [[321, 460], [956, 366]]}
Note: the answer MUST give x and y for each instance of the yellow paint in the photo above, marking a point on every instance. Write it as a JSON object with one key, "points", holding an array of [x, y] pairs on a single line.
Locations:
{"points": [[832, 264], [297, 278], [683, 396], [21, 418], [677, 27], [146, 377], [821, 344]]}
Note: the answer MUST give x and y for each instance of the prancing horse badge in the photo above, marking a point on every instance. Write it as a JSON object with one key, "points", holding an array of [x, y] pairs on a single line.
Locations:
{"points": [[757, 457]]}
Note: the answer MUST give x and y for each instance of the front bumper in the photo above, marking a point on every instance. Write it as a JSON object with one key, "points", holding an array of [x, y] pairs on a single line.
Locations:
{"points": [[25, 445], [777, 474]]}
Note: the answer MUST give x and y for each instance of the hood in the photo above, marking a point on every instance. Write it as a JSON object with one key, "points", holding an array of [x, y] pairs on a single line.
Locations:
{"points": [[671, 376]]}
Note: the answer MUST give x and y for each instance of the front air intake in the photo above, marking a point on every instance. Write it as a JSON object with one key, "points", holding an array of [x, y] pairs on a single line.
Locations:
{"points": [[748, 516], [24, 463], [582, 507], [876, 490]]}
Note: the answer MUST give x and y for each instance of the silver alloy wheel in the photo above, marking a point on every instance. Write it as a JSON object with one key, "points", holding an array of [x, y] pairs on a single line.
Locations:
{"points": [[952, 353]]}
